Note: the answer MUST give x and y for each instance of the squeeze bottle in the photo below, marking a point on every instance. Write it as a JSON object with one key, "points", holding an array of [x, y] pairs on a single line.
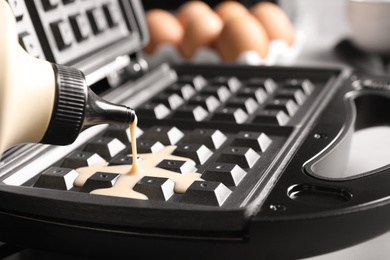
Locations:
{"points": [[43, 102]]}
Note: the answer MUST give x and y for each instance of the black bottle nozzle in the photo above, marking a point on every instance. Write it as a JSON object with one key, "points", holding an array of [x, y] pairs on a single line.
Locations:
{"points": [[100, 111], [76, 106]]}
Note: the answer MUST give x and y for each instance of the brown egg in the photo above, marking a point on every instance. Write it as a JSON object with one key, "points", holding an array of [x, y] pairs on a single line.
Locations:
{"points": [[240, 34], [229, 9], [200, 32], [275, 21], [163, 28], [190, 10]]}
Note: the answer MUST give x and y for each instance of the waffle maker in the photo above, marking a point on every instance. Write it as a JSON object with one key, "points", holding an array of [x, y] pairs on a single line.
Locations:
{"points": [[270, 143]]}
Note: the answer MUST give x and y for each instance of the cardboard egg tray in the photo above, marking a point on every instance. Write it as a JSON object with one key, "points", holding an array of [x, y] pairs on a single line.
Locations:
{"points": [[279, 53]]}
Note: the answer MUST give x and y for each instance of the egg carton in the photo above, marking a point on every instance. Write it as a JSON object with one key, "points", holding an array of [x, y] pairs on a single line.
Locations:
{"points": [[279, 53]]}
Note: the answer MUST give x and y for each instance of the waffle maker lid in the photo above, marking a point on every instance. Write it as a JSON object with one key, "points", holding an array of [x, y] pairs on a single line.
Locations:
{"points": [[97, 50]]}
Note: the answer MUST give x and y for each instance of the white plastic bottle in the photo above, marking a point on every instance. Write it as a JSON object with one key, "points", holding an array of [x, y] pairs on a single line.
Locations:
{"points": [[45, 102]]}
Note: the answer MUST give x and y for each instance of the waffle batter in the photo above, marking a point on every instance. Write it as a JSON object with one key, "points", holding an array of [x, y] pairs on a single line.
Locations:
{"points": [[144, 166]]}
